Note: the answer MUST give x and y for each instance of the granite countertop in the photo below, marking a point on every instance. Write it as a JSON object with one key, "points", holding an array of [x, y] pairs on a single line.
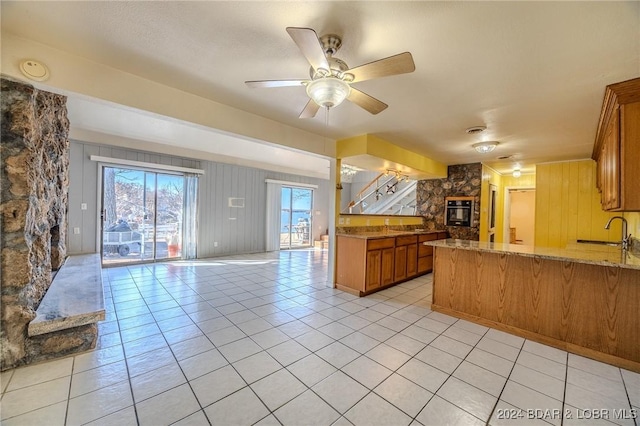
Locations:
{"points": [[372, 235], [596, 254]]}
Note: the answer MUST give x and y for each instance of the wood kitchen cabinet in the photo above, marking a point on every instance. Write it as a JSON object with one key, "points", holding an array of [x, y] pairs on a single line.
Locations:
{"points": [[617, 147], [412, 260], [425, 253], [368, 264], [406, 257], [379, 264]]}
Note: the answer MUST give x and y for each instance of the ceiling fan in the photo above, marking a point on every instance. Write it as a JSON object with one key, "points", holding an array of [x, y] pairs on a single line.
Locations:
{"points": [[331, 78]]}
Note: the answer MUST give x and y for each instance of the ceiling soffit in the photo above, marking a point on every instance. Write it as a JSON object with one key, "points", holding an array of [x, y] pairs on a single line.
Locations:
{"points": [[370, 152]]}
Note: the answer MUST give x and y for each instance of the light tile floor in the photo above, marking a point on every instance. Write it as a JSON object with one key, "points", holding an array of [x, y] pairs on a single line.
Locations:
{"points": [[260, 339]]}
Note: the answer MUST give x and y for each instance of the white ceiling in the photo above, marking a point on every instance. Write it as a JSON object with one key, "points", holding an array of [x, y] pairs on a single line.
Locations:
{"points": [[534, 73]]}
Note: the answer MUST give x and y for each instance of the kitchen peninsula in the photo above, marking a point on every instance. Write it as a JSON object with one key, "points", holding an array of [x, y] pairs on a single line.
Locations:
{"points": [[584, 299], [370, 260]]}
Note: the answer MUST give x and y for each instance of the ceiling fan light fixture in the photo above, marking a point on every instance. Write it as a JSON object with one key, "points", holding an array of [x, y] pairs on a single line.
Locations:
{"points": [[328, 92], [485, 147]]}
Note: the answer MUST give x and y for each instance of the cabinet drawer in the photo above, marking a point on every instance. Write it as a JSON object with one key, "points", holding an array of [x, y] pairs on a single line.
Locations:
{"points": [[406, 240], [424, 250], [380, 243], [427, 237]]}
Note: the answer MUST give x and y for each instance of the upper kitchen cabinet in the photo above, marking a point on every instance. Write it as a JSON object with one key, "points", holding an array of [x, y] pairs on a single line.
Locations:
{"points": [[617, 147]]}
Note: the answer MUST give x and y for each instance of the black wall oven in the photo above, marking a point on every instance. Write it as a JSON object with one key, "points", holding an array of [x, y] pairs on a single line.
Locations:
{"points": [[458, 211]]}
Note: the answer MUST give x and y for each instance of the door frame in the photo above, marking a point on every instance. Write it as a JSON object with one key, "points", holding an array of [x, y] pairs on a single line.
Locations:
{"points": [[507, 209], [131, 165], [293, 186]]}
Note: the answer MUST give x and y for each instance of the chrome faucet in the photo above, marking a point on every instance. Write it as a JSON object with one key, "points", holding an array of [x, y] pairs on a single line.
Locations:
{"points": [[625, 238]]}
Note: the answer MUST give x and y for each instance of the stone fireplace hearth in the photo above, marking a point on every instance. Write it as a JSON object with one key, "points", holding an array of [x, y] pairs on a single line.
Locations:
{"points": [[34, 164]]}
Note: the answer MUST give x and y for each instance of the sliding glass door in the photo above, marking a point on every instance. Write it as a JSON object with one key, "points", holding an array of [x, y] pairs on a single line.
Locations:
{"points": [[142, 215], [296, 218]]}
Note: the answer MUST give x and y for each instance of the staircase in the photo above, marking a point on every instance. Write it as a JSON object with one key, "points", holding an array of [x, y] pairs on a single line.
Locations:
{"points": [[385, 195], [403, 201], [322, 243]]}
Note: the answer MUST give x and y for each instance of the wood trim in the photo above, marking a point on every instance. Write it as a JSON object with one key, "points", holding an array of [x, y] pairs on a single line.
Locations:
{"points": [[616, 94], [349, 290], [460, 198]]}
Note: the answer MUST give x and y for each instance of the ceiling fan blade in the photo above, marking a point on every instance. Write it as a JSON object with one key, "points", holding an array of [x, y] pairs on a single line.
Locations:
{"points": [[307, 41], [367, 102], [310, 110], [397, 64], [274, 83]]}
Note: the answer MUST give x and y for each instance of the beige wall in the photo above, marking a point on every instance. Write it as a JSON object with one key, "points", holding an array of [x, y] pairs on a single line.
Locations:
{"points": [[522, 216], [73, 74]]}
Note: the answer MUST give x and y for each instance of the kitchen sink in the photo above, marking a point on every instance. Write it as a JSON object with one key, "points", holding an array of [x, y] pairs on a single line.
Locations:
{"points": [[605, 243]]}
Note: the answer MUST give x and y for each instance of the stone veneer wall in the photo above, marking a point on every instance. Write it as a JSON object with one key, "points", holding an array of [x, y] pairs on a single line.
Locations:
{"points": [[463, 180], [34, 164]]}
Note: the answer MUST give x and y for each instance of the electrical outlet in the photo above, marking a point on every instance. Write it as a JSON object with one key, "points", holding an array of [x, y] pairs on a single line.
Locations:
{"points": [[341, 221], [76, 231], [348, 221], [83, 206], [386, 221]]}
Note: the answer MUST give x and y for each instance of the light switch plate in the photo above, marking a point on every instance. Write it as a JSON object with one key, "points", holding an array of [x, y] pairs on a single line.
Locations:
{"points": [[83, 206], [76, 231]]}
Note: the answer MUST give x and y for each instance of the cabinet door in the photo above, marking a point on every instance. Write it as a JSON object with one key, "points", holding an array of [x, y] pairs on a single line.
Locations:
{"points": [[425, 264], [612, 166], [387, 266], [401, 263], [412, 260], [374, 268]]}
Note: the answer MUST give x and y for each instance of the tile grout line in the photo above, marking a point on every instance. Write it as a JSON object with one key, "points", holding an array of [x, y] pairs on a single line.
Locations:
{"points": [[126, 359], [564, 390], [515, 361], [188, 382]]}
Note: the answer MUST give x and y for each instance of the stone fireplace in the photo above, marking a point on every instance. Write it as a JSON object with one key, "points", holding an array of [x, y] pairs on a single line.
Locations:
{"points": [[34, 164], [462, 180]]}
